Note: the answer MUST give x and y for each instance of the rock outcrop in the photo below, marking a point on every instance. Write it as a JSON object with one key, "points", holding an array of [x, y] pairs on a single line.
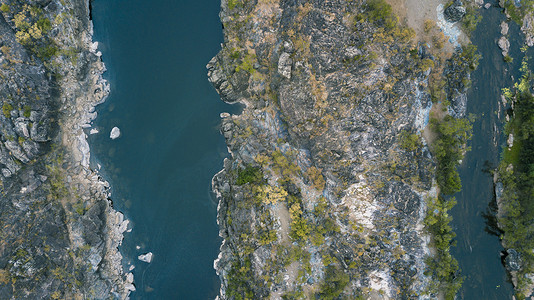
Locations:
{"points": [[321, 196], [455, 12]]}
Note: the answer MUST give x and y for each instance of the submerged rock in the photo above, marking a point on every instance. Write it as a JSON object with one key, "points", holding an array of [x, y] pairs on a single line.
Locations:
{"points": [[504, 44]]}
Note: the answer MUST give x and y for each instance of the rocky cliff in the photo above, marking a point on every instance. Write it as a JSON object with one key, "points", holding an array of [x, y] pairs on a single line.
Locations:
{"points": [[59, 233], [326, 189]]}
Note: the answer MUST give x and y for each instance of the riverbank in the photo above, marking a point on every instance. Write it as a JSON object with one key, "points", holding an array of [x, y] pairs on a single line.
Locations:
{"points": [[66, 244], [513, 184], [512, 180]]}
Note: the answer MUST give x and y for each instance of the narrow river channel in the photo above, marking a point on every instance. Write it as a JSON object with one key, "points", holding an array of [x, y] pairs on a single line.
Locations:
{"points": [[478, 251]]}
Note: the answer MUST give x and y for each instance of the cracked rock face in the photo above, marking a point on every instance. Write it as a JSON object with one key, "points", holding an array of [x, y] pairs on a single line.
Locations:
{"points": [[59, 234]]}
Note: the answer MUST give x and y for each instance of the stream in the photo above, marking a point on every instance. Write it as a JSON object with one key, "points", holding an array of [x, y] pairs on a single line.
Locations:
{"points": [[478, 248]]}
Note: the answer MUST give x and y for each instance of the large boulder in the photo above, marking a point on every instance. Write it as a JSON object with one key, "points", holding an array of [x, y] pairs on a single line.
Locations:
{"points": [[512, 260], [455, 12]]}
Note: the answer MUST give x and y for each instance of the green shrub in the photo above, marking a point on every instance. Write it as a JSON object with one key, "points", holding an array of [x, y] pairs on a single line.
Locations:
{"points": [[247, 63], [471, 20], [410, 141], [442, 266], [380, 13], [249, 175], [334, 283], [239, 283], [517, 202], [44, 24], [27, 111], [6, 109], [449, 148]]}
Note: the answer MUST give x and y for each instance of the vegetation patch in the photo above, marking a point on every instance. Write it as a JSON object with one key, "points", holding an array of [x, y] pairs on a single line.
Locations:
{"points": [[31, 31], [334, 283], [516, 172], [388, 30], [449, 148], [249, 175], [6, 109]]}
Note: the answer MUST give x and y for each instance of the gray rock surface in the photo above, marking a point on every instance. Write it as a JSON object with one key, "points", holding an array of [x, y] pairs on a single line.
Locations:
{"points": [[512, 260], [59, 233], [455, 12], [115, 133], [284, 65], [528, 28], [504, 44], [504, 28], [147, 257]]}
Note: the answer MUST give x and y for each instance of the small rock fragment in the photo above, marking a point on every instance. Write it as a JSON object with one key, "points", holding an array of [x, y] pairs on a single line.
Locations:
{"points": [[115, 133], [504, 28], [146, 257], [504, 44], [284, 65]]}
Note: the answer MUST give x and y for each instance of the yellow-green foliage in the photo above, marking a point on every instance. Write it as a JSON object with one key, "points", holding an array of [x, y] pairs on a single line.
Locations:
{"points": [[4, 8], [320, 207], [299, 227], [58, 188], [426, 64], [284, 165], [317, 179], [247, 63], [270, 194], [31, 28], [233, 3], [6, 109]]}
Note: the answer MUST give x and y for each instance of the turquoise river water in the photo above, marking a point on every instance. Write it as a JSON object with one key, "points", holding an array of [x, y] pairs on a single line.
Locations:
{"points": [[161, 167]]}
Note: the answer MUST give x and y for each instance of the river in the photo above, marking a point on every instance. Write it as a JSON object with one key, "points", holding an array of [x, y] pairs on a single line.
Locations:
{"points": [[161, 167], [478, 251]]}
